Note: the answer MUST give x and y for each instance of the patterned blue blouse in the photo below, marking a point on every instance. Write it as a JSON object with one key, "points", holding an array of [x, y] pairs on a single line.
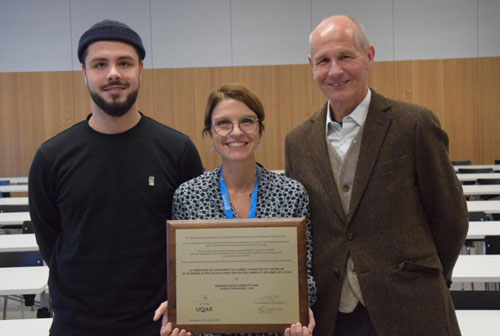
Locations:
{"points": [[278, 197]]}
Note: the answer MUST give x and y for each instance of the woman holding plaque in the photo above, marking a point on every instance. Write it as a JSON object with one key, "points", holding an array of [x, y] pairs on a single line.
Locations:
{"points": [[240, 187]]}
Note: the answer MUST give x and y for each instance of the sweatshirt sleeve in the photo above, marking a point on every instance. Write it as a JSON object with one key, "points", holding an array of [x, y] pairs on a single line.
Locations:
{"points": [[43, 206], [189, 165]]}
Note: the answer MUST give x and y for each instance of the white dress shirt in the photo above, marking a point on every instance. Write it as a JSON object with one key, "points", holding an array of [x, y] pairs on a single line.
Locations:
{"points": [[342, 135]]}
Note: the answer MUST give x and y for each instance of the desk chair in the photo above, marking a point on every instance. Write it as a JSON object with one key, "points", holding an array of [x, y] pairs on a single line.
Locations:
{"points": [[14, 208], [492, 246], [474, 170], [488, 181], [478, 216], [461, 163], [475, 300], [489, 197], [475, 216], [4, 182], [20, 259], [27, 227]]}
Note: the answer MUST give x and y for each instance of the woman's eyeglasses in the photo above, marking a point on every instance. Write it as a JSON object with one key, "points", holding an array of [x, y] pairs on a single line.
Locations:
{"points": [[224, 127]]}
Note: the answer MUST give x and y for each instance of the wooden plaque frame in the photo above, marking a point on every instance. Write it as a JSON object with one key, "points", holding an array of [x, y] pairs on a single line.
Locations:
{"points": [[173, 296]]}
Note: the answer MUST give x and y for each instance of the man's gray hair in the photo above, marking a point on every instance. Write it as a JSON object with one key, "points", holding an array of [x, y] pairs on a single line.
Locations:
{"points": [[360, 37]]}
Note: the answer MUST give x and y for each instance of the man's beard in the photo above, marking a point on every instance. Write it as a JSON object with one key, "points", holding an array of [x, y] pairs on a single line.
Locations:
{"points": [[114, 109]]}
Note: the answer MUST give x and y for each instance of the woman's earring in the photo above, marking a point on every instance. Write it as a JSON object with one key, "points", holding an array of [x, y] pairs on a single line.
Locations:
{"points": [[212, 149]]}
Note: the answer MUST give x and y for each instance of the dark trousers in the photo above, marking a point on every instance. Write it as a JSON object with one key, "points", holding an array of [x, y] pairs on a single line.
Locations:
{"points": [[357, 323]]}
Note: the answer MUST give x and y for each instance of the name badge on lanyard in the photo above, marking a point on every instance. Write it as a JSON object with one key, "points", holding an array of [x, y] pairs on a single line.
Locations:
{"points": [[228, 210]]}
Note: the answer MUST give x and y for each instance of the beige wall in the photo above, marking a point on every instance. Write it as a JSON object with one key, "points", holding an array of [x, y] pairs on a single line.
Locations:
{"points": [[464, 93]]}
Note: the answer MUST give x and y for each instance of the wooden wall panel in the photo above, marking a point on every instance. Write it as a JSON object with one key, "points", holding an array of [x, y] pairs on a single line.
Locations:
{"points": [[428, 86], [145, 100], [22, 119], [489, 108], [9, 104], [461, 113], [382, 77], [418, 82], [29, 91], [174, 98], [58, 103], [403, 81], [464, 94], [5, 147], [81, 98]]}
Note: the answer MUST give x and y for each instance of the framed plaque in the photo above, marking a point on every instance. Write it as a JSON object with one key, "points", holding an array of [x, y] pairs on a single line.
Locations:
{"points": [[237, 275]]}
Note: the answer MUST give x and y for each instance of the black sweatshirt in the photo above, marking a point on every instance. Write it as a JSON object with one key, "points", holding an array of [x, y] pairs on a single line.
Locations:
{"points": [[98, 204]]}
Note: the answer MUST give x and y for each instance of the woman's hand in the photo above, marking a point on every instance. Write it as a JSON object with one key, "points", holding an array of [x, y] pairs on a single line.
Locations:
{"points": [[298, 330], [166, 327]]}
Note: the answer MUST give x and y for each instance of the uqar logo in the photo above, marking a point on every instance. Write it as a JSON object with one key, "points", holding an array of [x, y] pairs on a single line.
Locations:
{"points": [[202, 309]]}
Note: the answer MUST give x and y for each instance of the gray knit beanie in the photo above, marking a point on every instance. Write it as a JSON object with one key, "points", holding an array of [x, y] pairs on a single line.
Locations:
{"points": [[109, 30]]}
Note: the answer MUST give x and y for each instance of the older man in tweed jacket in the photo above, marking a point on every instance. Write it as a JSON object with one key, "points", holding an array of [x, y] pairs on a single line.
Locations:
{"points": [[388, 214]]}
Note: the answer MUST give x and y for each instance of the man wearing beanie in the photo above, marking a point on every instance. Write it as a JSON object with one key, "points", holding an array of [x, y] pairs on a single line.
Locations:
{"points": [[100, 193]]}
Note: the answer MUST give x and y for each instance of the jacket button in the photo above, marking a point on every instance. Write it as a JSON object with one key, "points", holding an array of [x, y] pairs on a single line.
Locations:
{"points": [[350, 236], [336, 272], [345, 188]]}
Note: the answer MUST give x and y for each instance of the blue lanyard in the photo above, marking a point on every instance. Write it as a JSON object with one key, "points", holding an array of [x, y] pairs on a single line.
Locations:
{"points": [[227, 202]]}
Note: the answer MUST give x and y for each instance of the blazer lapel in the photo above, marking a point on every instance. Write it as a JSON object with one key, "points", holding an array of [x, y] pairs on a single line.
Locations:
{"points": [[376, 127], [319, 155]]}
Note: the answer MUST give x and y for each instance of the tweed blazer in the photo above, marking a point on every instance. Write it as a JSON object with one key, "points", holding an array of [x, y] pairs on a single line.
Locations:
{"points": [[406, 223]]}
